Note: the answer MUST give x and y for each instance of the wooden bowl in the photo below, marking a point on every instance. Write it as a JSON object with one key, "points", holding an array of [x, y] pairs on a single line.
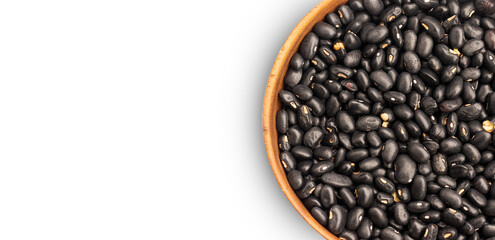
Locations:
{"points": [[271, 105]]}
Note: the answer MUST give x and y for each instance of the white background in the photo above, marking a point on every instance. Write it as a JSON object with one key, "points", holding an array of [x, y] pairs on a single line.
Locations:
{"points": [[140, 119]]}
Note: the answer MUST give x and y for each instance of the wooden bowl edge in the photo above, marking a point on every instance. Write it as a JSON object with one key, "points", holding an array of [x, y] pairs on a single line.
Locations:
{"points": [[271, 105]]}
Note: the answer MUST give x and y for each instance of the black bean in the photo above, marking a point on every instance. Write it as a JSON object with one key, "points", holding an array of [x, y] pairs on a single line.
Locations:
{"points": [[450, 105], [306, 190], [418, 206], [377, 34], [391, 13], [362, 177], [328, 196], [411, 62], [337, 219], [481, 140], [346, 14], [405, 169], [336, 180], [295, 179], [288, 161], [390, 233], [477, 198], [325, 30], [347, 197], [447, 233], [451, 198], [309, 46], [472, 30], [435, 202], [369, 164], [378, 217], [400, 131], [321, 168], [365, 230], [416, 228], [354, 218], [490, 39], [418, 188], [453, 217], [348, 235], [373, 7], [382, 80], [368, 123], [472, 46], [320, 215], [433, 27]]}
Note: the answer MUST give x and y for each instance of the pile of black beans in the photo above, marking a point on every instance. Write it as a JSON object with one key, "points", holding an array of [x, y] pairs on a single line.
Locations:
{"points": [[387, 120]]}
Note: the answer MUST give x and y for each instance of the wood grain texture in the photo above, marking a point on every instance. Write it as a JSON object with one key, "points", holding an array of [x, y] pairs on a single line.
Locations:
{"points": [[271, 105]]}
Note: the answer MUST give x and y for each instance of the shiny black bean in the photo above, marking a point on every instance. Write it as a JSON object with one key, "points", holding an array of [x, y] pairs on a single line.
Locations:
{"points": [[456, 37], [403, 112], [490, 39], [426, 43], [325, 30], [473, 30], [305, 118], [365, 229], [477, 198], [378, 217], [431, 216], [368, 123], [435, 202], [302, 152], [450, 105], [288, 161], [347, 197], [418, 188], [418, 152], [362, 177], [351, 41], [472, 46], [316, 106], [348, 235], [451, 198], [336, 180], [369, 164], [411, 62], [382, 80], [354, 218], [394, 97], [295, 179], [309, 45], [328, 196], [345, 141], [390, 13], [377, 34], [400, 213], [489, 209], [306, 190], [481, 140], [337, 219], [289, 99], [433, 27], [320, 215], [305, 167], [447, 233], [405, 169], [454, 88], [373, 7], [416, 228], [345, 122], [418, 206], [446, 55], [321, 168], [469, 112], [400, 131], [453, 217]]}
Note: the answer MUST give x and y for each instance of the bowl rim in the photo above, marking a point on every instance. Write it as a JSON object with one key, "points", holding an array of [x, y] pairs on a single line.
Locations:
{"points": [[271, 105]]}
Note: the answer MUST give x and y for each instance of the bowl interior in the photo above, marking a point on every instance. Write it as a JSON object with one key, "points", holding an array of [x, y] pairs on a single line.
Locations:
{"points": [[272, 105]]}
